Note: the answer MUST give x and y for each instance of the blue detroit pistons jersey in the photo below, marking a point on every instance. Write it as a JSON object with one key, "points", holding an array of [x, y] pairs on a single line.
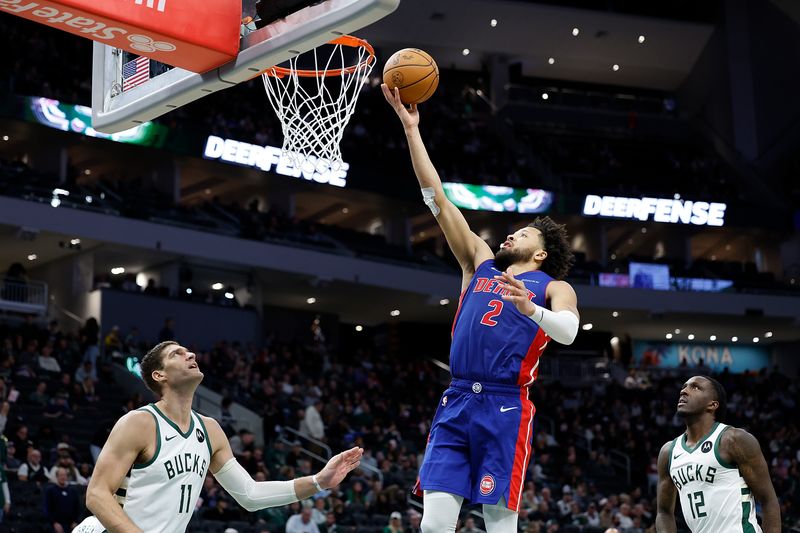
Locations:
{"points": [[492, 340]]}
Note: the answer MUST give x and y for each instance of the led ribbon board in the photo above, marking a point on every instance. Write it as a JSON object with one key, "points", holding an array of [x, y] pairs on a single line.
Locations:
{"points": [[494, 198], [715, 356], [272, 159], [78, 119], [665, 210]]}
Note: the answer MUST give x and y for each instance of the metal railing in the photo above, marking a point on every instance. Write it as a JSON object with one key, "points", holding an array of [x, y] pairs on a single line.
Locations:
{"points": [[23, 296]]}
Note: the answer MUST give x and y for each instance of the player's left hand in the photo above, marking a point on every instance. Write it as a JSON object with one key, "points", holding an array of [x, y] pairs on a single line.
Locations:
{"points": [[339, 466], [517, 293]]}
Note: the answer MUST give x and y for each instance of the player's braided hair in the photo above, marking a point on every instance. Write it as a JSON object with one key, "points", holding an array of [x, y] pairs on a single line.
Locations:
{"points": [[154, 360], [722, 397], [556, 243]]}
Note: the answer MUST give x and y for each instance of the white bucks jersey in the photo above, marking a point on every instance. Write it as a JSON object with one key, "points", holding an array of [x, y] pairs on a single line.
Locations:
{"points": [[714, 497], [160, 495]]}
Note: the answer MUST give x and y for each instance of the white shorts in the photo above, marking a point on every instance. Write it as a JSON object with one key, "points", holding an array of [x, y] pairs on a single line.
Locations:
{"points": [[90, 525]]}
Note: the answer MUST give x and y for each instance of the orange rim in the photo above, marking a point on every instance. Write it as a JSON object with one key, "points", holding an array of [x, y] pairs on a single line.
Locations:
{"points": [[344, 40]]}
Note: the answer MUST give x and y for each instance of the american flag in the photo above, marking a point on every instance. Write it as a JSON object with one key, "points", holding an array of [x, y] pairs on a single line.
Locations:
{"points": [[135, 72]]}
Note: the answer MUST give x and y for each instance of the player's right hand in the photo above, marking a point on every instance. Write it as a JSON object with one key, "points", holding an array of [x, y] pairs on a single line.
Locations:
{"points": [[409, 116]]}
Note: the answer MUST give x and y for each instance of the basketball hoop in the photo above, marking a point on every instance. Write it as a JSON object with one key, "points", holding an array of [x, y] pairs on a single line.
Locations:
{"points": [[313, 113]]}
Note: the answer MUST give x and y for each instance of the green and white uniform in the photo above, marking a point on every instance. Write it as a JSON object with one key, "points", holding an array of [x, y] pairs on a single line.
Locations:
{"points": [[160, 496], [713, 495]]}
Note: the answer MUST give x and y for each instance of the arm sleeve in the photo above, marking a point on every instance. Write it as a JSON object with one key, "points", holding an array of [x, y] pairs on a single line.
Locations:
{"points": [[561, 326], [254, 495]]}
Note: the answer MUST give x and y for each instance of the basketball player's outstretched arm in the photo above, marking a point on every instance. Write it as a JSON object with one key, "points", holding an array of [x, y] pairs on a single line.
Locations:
{"points": [[743, 450], [130, 439], [254, 495], [469, 249], [665, 519]]}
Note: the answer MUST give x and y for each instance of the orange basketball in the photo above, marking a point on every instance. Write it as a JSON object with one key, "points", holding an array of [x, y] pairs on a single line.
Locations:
{"points": [[414, 72]]}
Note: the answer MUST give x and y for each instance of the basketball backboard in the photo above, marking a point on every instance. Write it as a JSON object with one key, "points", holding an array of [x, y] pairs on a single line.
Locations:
{"points": [[115, 109]]}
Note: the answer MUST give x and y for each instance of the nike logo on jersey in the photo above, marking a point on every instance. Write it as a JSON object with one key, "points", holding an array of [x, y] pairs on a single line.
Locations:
{"points": [[676, 456], [170, 438], [506, 409]]}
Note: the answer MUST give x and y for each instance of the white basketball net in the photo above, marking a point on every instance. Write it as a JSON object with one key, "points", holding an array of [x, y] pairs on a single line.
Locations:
{"points": [[315, 110]]}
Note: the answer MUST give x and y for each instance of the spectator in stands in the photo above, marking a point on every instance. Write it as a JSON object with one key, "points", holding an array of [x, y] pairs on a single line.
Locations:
{"points": [[301, 523], [222, 511], [21, 442], [89, 337], [33, 469], [329, 526], [395, 524], [86, 371], [133, 342], [151, 288], [5, 407], [242, 442], [319, 512], [62, 503], [58, 407], [415, 522], [226, 419], [167, 333], [129, 283], [39, 396], [67, 464], [469, 526], [48, 363], [113, 344], [312, 424], [590, 518]]}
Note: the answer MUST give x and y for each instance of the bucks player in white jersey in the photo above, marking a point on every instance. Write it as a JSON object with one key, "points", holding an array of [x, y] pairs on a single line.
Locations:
{"points": [[717, 471], [150, 472]]}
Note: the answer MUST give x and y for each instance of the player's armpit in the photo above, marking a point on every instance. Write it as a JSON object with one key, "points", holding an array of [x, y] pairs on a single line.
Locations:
{"points": [[221, 451], [562, 297], [665, 519], [744, 451], [133, 437]]}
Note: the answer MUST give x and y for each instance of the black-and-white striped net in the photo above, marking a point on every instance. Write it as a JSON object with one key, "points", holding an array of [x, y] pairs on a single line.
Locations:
{"points": [[315, 110]]}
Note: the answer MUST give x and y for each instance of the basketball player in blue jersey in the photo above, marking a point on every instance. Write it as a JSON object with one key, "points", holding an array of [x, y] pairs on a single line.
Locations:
{"points": [[151, 470], [480, 440]]}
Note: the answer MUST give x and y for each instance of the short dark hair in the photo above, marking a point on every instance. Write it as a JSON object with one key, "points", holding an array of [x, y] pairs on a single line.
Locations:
{"points": [[152, 361], [555, 242], [722, 397]]}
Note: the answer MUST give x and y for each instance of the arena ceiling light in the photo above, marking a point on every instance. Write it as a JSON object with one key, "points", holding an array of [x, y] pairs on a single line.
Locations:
{"points": [[615, 314], [615, 67], [34, 257], [311, 300], [677, 331], [712, 338], [118, 270], [668, 336], [189, 290], [545, 96], [444, 301], [587, 326], [756, 339], [575, 31], [217, 286], [767, 335], [395, 312], [641, 39], [229, 295], [75, 242], [465, 52], [5, 137], [734, 339], [493, 23], [359, 328], [691, 336], [551, 61]]}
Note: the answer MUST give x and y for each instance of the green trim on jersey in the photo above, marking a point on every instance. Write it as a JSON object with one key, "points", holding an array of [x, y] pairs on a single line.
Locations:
{"points": [[699, 442], [158, 441], [208, 437], [669, 457], [747, 527], [174, 425], [724, 463]]}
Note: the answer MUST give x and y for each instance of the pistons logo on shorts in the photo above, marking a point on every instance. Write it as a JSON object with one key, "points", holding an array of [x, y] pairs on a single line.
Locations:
{"points": [[487, 485]]}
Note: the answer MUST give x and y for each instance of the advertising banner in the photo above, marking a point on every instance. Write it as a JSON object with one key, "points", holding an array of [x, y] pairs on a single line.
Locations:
{"points": [[717, 357]]}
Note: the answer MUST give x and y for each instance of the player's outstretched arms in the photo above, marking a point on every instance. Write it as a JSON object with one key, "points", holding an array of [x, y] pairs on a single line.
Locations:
{"points": [[739, 447], [254, 495], [132, 437], [469, 249], [665, 519]]}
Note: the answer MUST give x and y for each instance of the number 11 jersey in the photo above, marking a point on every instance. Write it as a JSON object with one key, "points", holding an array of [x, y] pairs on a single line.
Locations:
{"points": [[492, 341], [160, 495]]}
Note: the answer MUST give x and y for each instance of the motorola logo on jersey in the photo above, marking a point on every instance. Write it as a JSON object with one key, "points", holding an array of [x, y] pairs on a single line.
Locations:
{"points": [[487, 484], [200, 436], [706, 446]]}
